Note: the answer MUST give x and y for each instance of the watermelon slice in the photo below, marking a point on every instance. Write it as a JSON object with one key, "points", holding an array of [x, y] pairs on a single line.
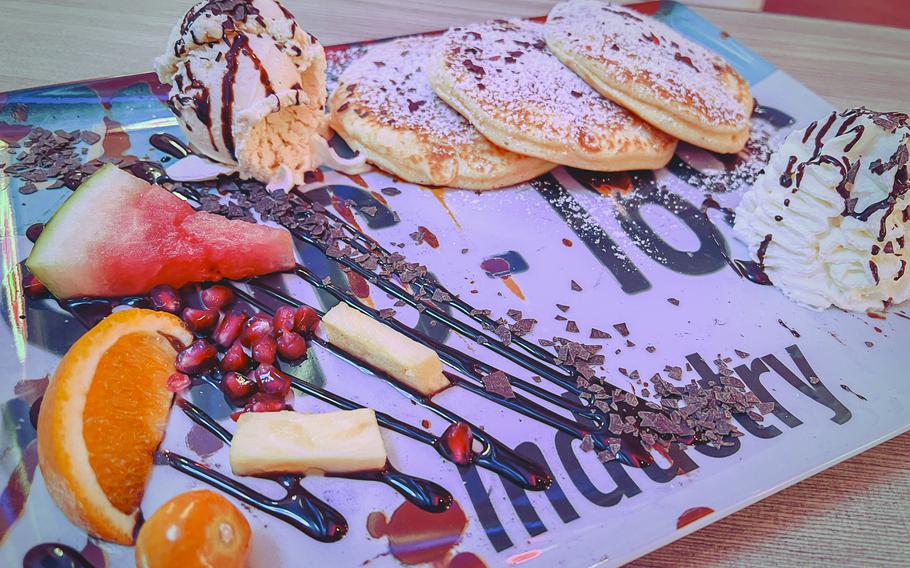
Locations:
{"points": [[118, 235]]}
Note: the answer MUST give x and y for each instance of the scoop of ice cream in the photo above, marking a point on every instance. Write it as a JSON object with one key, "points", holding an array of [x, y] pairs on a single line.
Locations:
{"points": [[248, 87], [829, 216]]}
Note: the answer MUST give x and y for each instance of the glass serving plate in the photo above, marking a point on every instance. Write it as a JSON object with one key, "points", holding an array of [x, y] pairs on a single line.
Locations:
{"points": [[646, 249]]}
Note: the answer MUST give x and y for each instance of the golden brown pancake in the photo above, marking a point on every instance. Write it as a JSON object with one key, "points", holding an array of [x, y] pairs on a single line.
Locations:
{"points": [[503, 79], [384, 106], [673, 83]]}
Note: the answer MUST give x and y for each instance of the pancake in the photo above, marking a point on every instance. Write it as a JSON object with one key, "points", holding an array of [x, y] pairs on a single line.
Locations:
{"points": [[669, 81], [503, 79], [384, 107]]}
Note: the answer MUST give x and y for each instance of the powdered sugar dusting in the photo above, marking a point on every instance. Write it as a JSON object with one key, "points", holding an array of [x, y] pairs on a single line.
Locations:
{"points": [[636, 47], [506, 68], [389, 84]]}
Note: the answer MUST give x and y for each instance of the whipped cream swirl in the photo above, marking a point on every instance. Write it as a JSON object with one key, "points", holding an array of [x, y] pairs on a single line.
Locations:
{"points": [[828, 217]]}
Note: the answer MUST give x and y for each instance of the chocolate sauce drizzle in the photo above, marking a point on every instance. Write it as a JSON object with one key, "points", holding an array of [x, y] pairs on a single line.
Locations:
{"points": [[849, 171], [632, 452], [298, 507], [748, 269], [494, 456], [591, 422]]}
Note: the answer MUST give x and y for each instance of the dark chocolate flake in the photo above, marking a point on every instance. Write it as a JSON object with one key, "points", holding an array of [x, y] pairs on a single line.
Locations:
{"points": [[498, 383], [598, 334]]}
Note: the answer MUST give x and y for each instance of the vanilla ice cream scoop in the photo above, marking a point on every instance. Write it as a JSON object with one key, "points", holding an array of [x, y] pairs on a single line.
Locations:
{"points": [[248, 87], [828, 218]]}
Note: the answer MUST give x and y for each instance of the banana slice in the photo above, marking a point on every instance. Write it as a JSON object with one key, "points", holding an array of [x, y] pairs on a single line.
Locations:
{"points": [[293, 442]]}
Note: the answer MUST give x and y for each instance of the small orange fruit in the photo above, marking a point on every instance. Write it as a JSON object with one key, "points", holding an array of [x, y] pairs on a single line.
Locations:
{"points": [[103, 416], [199, 528]]}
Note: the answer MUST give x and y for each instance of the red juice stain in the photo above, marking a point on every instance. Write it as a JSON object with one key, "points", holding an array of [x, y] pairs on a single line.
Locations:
{"points": [[428, 236], [202, 442], [116, 141], [877, 329], [523, 557], [417, 536], [567, 242], [34, 231], [356, 179], [379, 197], [649, 8], [94, 554], [358, 284], [425, 423], [313, 176], [495, 266], [12, 133], [875, 315], [467, 560], [17, 489], [692, 515]]}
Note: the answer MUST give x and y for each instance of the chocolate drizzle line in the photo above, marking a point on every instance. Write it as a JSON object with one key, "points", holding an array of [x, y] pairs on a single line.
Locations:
{"points": [[623, 436], [625, 443], [227, 92], [849, 171], [495, 456], [506, 462], [633, 453], [298, 507], [425, 494], [748, 269]]}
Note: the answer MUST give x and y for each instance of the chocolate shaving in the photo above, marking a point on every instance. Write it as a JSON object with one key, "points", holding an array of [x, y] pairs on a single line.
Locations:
{"points": [[498, 383]]}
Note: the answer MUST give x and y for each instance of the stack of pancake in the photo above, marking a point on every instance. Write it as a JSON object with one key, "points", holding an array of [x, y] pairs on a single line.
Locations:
{"points": [[597, 87]]}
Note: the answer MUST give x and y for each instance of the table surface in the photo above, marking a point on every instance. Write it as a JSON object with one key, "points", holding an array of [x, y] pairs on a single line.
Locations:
{"points": [[854, 514]]}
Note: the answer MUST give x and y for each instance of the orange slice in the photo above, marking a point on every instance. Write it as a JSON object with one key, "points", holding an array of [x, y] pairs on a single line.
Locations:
{"points": [[195, 529], [104, 415]]}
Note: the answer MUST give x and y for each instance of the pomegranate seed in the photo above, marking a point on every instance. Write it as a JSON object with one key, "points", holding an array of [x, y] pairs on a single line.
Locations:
{"points": [[264, 349], [291, 346], [456, 443], [198, 357], [305, 320], [178, 382], [200, 321], [217, 297], [237, 386], [256, 327], [165, 298], [33, 287], [284, 318], [271, 380], [229, 327], [265, 403], [235, 358]]}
